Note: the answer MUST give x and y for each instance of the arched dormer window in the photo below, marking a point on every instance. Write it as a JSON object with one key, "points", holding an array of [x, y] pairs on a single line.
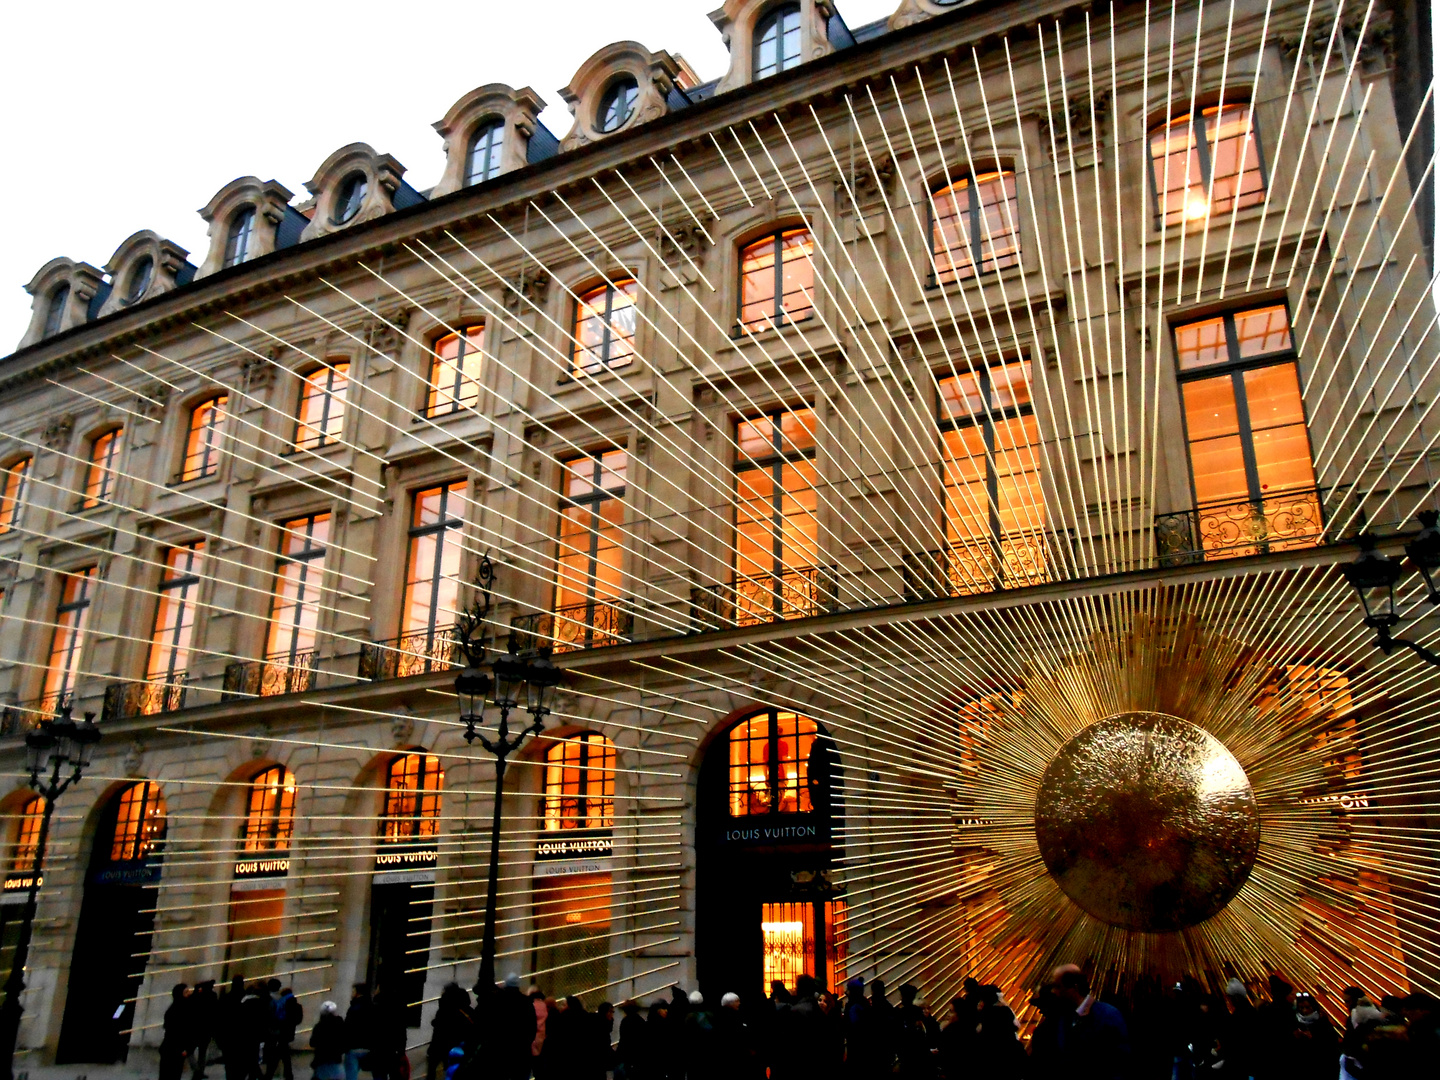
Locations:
{"points": [[777, 279], [975, 225], [270, 816], [617, 104], [55, 310], [140, 277], [13, 484], [770, 764], [580, 783], [202, 445], [239, 237], [139, 823], [1206, 162], [777, 41], [350, 197], [104, 460], [27, 835], [482, 162], [412, 798], [321, 416]]}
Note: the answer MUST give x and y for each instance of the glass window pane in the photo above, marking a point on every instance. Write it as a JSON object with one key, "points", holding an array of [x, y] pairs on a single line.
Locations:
{"points": [[1263, 331], [322, 405], [1277, 419], [999, 220], [455, 373], [1175, 166], [12, 493], [605, 327], [432, 582], [757, 283], [750, 791], [202, 449], [104, 459], [950, 240], [1235, 183], [797, 275], [1200, 344], [299, 577]]}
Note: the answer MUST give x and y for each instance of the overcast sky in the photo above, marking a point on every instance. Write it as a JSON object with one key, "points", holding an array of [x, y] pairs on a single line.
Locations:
{"points": [[119, 117]]}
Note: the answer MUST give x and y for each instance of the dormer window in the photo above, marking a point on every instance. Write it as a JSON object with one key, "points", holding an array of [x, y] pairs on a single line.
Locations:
{"points": [[351, 196], [55, 313], [618, 104], [483, 162], [140, 279], [239, 236], [777, 41]]}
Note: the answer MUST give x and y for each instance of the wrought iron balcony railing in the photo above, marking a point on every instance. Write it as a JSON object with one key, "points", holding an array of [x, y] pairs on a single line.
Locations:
{"points": [[18, 717], [417, 653], [126, 699], [1280, 522], [753, 599], [270, 678], [577, 626], [1008, 561]]}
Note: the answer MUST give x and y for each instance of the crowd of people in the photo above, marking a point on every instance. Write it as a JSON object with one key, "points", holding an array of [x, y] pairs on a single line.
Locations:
{"points": [[1152, 1031]]}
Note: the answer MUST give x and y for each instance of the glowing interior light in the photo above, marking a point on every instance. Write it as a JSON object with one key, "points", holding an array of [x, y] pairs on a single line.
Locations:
{"points": [[1196, 206]]}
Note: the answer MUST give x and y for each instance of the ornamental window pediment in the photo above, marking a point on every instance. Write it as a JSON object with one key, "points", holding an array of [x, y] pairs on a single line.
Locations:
{"points": [[766, 37], [64, 292], [145, 265], [913, 11], [355, 184], [248, 218], [622, 86], [487, 132]]}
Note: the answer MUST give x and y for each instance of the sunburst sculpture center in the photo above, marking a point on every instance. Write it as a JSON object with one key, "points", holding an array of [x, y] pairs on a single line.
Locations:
{"points": [[1147, 822]]}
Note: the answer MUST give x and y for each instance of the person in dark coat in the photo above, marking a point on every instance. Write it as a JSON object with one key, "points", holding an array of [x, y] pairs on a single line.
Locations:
{"points": [[1276, 1025], [674, 1055], [1313, 1051], [598, 1056], [450, 1028], [508, 1030], [632, 1053], [883, 1031], [288, 1014], [257, 1019], [701, 1050], [857, 1030], [1091, 1038], [328, 1041], [179, 1040], [913, 1037], [229, 1029], [388, 1045], [657, 1031], [735, 1054], [359, 1029], [998, 1054], [204, 1015]]}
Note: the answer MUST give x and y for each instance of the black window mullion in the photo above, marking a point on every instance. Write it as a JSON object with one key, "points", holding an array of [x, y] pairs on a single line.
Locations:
{"points": [[607, 332], [973, 213], [779, 277], [1202, 149]]}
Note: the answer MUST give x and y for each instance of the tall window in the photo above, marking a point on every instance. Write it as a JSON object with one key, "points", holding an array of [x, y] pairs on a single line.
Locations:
{"points": [[322, 405], [580, 783], [270, 817], [239, 237], [27, 834], [1197, 168], [139, 823], [770, 764], [777, 41], [604, 328], [587, 582], [1245, 425], [432, 580], [483, 161], [775, 492], [55, 310], [13, 483], [76, 590], [975, 225], [412, 798], [777, 279], [299, 575], [455, 372], [202, 448], [175, 618], [104, 460], [994, 505]]}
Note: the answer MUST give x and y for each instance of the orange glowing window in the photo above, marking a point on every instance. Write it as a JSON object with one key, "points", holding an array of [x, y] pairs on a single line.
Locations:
{"points": [[580, 783], [71, 617], [270, 818], [604, 328], [791, 948], [295, 606], [432, 578], [27, 834], [975, 225], [175, 614], [455, 373], [776, 524], [16, 479], [777, 279], [322, 405], [412, 798], [104, 460], [139, 823], [1206, 163], [202, 448], [770, 758], [587, 580]]}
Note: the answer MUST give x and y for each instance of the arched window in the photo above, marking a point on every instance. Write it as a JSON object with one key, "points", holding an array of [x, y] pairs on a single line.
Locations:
{"points": [[140, 278], [27, 835], [139, 823], [777, 41], [580, 783], [321, 416], [15, 480], [777, 279], [455, 372], [975, 225], [239, 237], [104, 458], [618, 104], [483, 160], [1206, 162], [350, 197], [604, 327], [412, 798], [770, 764], [270, 818], [202, 447], [55, 312]]}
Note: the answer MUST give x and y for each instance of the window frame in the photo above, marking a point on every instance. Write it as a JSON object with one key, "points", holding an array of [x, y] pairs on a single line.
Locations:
{"points": [[137, 285], [213, 430], [26, 841], [610, 95], [239, 237], [74, 632], [1196, 116], [783, 452], [591, 504], [333, 401], [306, 557], [350, 195], [778, 316], [462, 383], [937, 278], [12, 502], [554, 799], [605, 361], [270, 825], [439, 528], [422, 823], [101, 476], [492, 130], [141, 842], [55, 306], [186, 603], [774, 18], [774, 783]]}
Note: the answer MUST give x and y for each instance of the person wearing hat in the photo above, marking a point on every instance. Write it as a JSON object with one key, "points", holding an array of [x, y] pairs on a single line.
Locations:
{"points": [[327, 1039], [1239, 1032]]}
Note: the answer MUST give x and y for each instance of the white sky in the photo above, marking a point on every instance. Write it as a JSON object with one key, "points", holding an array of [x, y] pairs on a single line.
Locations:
{"points": [[126, 116]]}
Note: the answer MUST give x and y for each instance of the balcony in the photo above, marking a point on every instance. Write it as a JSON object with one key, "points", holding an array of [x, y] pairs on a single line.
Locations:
{"points": [[752, 600], [417, 653], [18, 717], [1231, 530], [578, 626], [124, 700], [269, 678], [1009, 561]]}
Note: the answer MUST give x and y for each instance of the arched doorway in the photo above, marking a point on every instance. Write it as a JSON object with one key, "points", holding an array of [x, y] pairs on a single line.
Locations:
{"points": [[117, 917], [767, 905]]}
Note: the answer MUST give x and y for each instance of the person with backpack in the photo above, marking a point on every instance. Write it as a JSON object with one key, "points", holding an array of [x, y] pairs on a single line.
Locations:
{"points": [[288, 1014]]}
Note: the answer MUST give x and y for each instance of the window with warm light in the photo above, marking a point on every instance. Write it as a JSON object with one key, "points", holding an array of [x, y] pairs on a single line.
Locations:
{"points": [[455, 372], [431, 601], [270, 816], [299, 576], [1206, 163], [777, 545], [587, 580], [770, 771], [412, 798], [14, 480], [604, 328], [175, 614], [790, 947], [975, 225], [777, 41], [483, 161], [777, 279], [104, 461], [139, 823], [27, 834], [76, 591], [321, 417], [202, 446], [580, 783]]}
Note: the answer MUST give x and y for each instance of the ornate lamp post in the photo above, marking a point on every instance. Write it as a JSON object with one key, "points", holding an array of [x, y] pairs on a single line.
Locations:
{"points": [[54, 745], [1373, 576], [513, 681]]}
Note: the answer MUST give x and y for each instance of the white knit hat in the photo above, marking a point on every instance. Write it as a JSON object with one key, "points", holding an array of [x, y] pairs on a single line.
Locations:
{"points": [[728, 999], [697, 998]]}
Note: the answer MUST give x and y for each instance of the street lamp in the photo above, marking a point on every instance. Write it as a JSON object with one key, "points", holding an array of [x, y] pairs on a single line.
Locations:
{"points": [[1373, 576], [514, 681], [53, 745]]}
